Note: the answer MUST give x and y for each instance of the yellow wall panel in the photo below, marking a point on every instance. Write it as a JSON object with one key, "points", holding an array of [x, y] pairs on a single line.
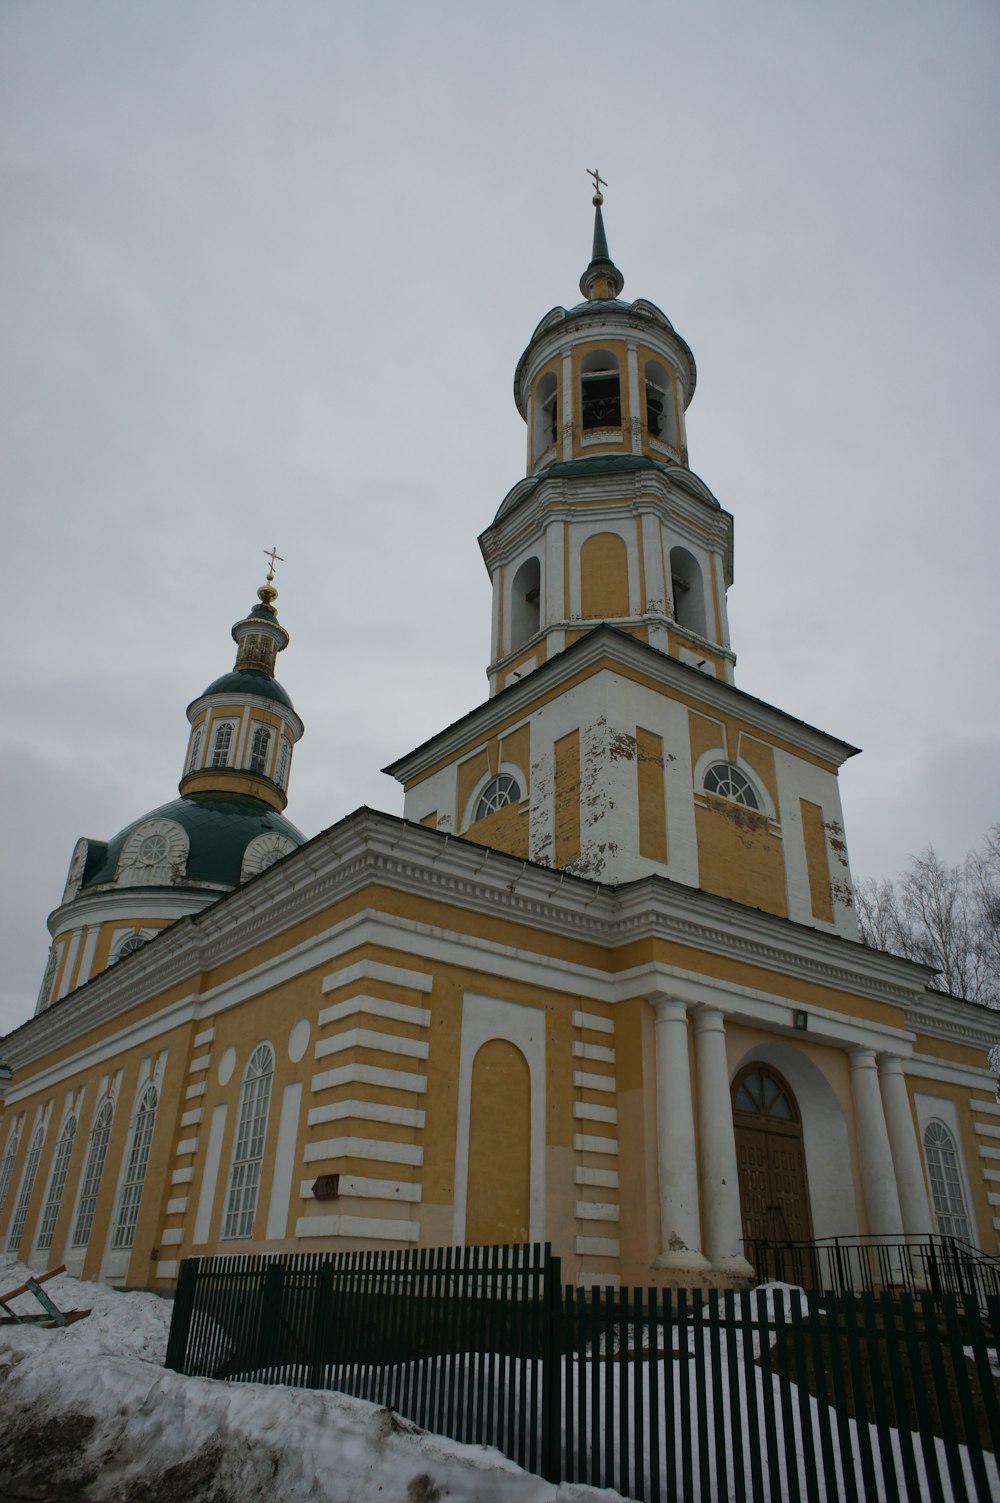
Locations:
{"points": [[604, 577], [499, 1198], [817, 864], [567, 799], [739, 858], [652, 798]]}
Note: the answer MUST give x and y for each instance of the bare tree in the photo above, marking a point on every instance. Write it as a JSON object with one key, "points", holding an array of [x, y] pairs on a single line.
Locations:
{"points": [[947, 917]]}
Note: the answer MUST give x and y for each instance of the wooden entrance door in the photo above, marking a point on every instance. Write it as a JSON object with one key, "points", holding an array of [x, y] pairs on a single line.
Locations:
{"points": [[774, 1194]]}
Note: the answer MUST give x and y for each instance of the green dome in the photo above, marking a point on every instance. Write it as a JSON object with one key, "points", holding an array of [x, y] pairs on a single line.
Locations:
{"points": [[219, 827], [249, 681]]}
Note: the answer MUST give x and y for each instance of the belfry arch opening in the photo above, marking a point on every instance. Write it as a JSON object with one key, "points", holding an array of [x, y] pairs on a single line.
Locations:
{"points": [[600, 391], [688, 591], [525, 608], [546, 416], [661, 418]]}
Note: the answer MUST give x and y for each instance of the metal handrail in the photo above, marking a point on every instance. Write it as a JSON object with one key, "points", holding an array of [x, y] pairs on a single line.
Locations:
{"points": [[933, 1262]]}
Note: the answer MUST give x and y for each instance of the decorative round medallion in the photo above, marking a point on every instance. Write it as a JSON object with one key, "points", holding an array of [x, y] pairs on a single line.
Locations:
{"points": [[298, 1040], [227, 1064], [153, 850]]}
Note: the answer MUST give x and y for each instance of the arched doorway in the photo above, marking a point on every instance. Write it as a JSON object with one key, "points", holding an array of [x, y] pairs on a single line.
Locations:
{"points": [[774, 1193]]}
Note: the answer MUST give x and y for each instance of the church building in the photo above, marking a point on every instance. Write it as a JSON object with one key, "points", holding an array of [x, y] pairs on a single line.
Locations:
{"points": [[601, 983]]}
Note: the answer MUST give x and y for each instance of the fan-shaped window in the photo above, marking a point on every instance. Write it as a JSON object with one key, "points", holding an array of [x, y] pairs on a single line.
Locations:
{"points": [[127, 946], [97, 1152], [503, 790], [727, 781], [7, 1166], [27, 1185], [762, 1094], [284, 754], [546, 416], [135, 1172], [947, 1195], [600, 391], [262, 852], [195, 749], [689, 591], [57, 1183], [222, 744], [258, 749], [248, 1155], [524, 602], [154, 854]]}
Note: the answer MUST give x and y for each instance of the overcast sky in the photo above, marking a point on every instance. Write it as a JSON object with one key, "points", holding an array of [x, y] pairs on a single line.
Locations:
{"points": [[267, 271]]}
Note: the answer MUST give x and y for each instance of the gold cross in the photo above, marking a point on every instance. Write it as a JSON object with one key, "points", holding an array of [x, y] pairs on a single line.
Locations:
{"points": [[599, 182], [272, 554]]}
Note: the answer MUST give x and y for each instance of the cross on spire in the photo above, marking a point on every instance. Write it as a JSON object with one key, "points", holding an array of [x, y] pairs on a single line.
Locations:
{"points": [[599, 182], [273, 556]]}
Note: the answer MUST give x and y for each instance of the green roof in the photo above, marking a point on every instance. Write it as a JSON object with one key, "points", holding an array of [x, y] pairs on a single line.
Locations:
{"points": [[250, 681], [219, 827]]}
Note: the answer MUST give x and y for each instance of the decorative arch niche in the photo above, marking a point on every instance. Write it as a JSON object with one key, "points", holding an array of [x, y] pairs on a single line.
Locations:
{"points": [[604, 591]]}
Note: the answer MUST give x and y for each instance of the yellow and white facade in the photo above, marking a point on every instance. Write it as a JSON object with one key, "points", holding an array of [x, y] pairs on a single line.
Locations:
{"points": [[600, 985]]}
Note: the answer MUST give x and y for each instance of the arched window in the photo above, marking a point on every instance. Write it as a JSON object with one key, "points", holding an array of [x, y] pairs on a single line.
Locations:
{"points": [[135, 1172], [222, 743], [524, 602], [7, 1166], [497, 794], [126, 946], [195, 749], [248, 1154], [546, 415], [689, 590], [947, 1195], [97, 1152], [57, 1183], [600, 391], [660, 415], [284, 754], [727, 781], [27, 1185], [258, 749]]}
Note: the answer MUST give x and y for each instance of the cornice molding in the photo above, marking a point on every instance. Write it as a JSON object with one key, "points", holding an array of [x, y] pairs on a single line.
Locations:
{"points": [[938, 1015], [369, 848]]}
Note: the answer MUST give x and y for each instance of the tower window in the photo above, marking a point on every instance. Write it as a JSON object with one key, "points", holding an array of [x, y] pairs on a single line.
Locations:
{"points": [[524, 602], [251, 1130], [727, 781], [947, 1196], [127, 946], [258, 749], [7, 1166], [688, 589], [135, 1173], [284, 754], [195, 749], [546, 419], [45, 990], [600, 391], [221, 745], [660, 419], [503, 790]]}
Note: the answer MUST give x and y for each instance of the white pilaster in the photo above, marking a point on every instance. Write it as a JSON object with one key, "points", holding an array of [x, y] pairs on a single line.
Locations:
{"points": [[720, 1186], [634, 405], [913, 1202], [680, 1231], [878, 1177], [567, 405]]}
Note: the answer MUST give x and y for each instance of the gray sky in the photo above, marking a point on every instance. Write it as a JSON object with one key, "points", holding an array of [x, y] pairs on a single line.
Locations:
{"points": [[267, 272]]}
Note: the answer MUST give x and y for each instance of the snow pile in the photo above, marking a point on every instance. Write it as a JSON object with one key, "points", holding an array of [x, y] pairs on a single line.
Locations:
{"points": [[89, 1407]]}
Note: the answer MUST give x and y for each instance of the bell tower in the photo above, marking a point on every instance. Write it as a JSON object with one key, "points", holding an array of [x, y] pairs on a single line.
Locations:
{"points": [[609, 524]]}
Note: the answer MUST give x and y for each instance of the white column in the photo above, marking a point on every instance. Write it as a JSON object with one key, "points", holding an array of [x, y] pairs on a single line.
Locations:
{"points": [[567, 405], [680, 1230], [720, 1185], [634, 405], [878, 1178], [913, 1203]]}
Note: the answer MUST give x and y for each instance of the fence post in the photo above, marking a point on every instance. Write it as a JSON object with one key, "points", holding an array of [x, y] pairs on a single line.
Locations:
{"points": [[321, 1335], [269, 1325], [551, 1355], [180, 1317]]}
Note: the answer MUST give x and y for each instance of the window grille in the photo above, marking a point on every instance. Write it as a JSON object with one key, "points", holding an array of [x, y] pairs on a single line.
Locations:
{"points": [[45, 990], [497, 794], [195, 749], [725, 780], [284, 752], [135, 1174], [258, 749], [7, 1166], [57, 1183], [244, 1182], [27, 1185], [220, 747], [127, 946], [97, 1152], [947, 1195]]}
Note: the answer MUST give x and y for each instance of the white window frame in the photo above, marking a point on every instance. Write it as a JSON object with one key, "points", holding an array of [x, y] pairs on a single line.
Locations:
{"points": [[220, 726], [248, 1144], [57, 1183], [137, 1163], [7, 1163], [97, 1153], [28, 1176]]}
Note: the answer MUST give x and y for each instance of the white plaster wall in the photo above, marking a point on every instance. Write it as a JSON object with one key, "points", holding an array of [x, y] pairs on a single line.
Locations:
{"points": [[798, 779]]}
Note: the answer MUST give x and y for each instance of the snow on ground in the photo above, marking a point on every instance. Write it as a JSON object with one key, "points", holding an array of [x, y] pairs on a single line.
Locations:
{"points": [[89, 1410]]}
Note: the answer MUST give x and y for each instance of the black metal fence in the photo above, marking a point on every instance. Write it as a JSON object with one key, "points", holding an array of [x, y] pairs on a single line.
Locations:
{"points": [[933, 1263], [673, 1395]]}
